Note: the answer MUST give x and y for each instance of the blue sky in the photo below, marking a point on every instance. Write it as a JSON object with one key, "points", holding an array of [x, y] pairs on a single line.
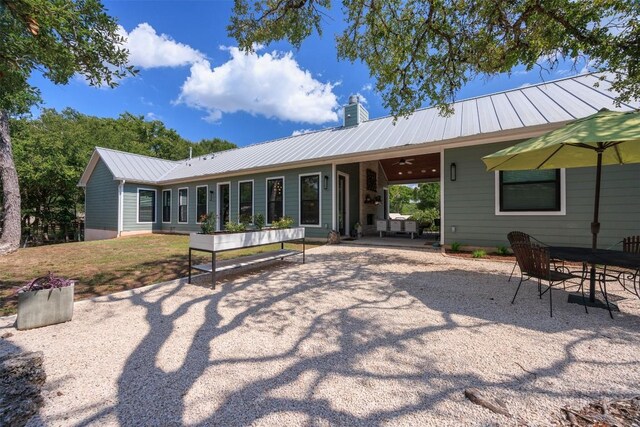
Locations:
{"points": [[194, 80]]}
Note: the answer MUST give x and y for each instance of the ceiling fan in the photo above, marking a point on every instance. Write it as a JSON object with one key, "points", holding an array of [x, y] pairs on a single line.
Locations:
{"points": [[404, 162]]}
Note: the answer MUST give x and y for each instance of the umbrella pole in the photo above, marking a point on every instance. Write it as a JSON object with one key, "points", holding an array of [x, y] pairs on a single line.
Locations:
{"points": [[595, 225]]}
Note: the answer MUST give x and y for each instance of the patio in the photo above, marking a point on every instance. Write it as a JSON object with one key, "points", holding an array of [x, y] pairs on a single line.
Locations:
{"points": [[353, 337]]}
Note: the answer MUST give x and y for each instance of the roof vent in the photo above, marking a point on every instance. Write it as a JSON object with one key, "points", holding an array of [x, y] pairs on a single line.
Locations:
{"points": [[355, 113]]}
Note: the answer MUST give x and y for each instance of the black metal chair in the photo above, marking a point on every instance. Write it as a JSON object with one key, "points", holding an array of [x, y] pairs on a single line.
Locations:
{"points": [[630, 244], [515, 237], [534, 262]]}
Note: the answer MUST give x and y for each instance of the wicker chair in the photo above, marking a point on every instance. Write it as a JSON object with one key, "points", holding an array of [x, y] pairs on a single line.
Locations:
{"points": [[535, 263]]}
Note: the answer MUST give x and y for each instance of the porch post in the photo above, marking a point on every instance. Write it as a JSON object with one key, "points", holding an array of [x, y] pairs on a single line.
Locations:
{"points": [[334, 204], [442, 197]]}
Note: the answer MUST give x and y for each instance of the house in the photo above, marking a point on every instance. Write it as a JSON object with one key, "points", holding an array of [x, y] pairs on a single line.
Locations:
{"points": [[333, 178]]}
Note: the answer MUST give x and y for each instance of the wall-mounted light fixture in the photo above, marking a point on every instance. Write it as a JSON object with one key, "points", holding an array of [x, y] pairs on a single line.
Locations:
{"points": [[211, 194], [452, 172], [326, 182]]}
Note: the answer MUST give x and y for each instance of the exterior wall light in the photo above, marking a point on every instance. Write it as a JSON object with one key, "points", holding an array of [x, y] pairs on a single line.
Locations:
{"points": [[211, 194], [326, 182], [452, 172]]}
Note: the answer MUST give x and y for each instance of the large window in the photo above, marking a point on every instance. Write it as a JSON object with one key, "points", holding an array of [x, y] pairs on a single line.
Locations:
{"points": [[245, 201], [530, 191], [310, 199], [166, 205], [201, 202], [146, 205], [275, 199], [183, 205]]}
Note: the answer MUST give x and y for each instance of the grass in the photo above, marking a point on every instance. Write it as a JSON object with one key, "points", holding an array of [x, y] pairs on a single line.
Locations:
{"points": [[106, 266]]}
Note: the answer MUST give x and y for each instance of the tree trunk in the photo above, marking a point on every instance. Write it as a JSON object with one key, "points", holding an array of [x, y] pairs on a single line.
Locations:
{"points": [[10, 237]]}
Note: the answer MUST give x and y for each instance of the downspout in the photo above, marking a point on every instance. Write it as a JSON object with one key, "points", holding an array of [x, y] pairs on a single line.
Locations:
{"points": [[120, 207]]}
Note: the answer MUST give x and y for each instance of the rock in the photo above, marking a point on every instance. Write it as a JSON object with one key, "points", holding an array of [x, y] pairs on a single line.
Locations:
{"points": [[21, 378], [333, 238]]}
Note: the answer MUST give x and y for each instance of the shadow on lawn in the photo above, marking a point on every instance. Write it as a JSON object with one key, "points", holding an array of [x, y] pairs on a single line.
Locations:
{"points": [[347, 333]]}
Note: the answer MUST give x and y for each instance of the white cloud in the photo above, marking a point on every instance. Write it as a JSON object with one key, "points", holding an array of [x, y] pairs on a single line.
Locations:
{"points": [[147, 49], [271, 85], [300, 132], [152, 116], [362, 99], [367, 87]]}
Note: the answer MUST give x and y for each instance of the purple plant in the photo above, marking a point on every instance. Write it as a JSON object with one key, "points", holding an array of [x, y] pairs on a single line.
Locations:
{"points": [[45, 282]]}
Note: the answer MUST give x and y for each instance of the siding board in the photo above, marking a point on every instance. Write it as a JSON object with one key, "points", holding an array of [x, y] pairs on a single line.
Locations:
{"points": [[101, 203]]}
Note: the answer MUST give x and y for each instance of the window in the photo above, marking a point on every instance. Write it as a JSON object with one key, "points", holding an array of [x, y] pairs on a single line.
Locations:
{"points": [[166, 205], [310, 199], [146, 205], [201, 202], [245, 201], [183, 205], [530, 190], [275, 199]]}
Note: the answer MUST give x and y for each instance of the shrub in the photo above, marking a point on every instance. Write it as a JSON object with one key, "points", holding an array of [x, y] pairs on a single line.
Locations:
{"points": [[478, 253], [258, 221], [45, 282], [233, 227], [245, 219], [502, 250], [284, 222], [208, 223], [455, 247]]}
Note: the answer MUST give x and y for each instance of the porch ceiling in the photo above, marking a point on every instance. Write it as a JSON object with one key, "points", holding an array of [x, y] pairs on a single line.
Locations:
{"points": [[424, 167]]}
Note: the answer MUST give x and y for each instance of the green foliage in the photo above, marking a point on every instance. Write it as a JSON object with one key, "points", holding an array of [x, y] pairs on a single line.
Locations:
{"points": [[427, 195], [258, 221], [479, 253], [284, 222], [421, 51], [502, 250], [207, 146], [399, 197], [245, 219], [208, 223], [425, 217], [235, 227], [455, 247]]}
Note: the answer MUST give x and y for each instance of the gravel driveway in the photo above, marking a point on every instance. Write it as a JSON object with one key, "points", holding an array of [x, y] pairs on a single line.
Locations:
{"points": [[357, 336]]}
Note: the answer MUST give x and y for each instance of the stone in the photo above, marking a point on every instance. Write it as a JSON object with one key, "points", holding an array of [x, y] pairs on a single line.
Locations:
{"points": [[21, 379]]}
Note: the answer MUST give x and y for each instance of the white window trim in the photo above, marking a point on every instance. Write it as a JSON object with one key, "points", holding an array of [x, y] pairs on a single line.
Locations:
{"points": [[563, 199], [266, 197], [320, 187], [155, 208], [206, 201], [347, 228], [253, 198], [178, 212], [170, 206], [218, 204]]}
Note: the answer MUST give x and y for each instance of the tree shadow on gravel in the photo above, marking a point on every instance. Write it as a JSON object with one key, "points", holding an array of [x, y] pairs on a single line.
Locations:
{"points": [[348, 314]]}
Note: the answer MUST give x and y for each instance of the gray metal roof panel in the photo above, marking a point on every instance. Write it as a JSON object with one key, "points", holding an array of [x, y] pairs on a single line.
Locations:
{"points": [[550, 102], [135, 167]]}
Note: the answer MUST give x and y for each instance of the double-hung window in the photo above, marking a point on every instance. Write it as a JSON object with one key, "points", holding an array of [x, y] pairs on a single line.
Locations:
{"points": [[166, 205], [530, 191], [183, 205], [245, 201], [146, 205], [275, 199], [201, 203], [310, 199]]}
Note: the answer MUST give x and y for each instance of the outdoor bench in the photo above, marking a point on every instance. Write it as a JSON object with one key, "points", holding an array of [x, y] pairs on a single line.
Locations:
{"points": [[221, 242]]}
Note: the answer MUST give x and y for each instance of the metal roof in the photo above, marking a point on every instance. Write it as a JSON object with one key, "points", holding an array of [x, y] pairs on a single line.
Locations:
{"points": [[545, 103], [135, 167]]}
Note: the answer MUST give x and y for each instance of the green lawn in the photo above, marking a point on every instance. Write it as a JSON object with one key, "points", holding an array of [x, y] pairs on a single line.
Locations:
{"points": [[105, 266]]}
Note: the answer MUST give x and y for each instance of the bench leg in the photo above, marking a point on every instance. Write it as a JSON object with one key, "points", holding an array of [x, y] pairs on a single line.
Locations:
{"points": [[213, 269], [189, 266]]}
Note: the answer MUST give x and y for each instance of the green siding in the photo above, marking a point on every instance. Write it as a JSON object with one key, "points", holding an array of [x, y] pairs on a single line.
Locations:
{"points": [[470, 204], [291, 208], [130, 202], [101, 202]]}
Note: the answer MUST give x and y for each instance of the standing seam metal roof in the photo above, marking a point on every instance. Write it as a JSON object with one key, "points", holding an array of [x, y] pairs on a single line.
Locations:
{"points": [[545, 103]]}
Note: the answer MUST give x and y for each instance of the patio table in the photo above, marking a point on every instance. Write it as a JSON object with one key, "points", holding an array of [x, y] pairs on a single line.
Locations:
{"points": [[605, 257]]}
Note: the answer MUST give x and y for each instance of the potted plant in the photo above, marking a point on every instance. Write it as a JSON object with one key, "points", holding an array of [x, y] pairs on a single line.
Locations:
{"points": [[358, 227], [45, 301]]}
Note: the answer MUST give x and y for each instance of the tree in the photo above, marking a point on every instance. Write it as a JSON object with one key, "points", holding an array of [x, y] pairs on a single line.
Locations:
{"points": [[59, 39], [399, 197], [427, 195], [420, 50]]}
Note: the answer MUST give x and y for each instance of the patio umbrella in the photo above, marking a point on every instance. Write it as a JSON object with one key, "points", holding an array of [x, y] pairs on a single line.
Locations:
{"points": [[604, 138]]}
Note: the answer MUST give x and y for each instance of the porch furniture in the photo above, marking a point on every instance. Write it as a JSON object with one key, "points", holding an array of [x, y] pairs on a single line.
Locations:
{"points": [[535, 263], [515, 237], [604, 258], [397, 226], [381, 226], [220, 242], [631, 244]]}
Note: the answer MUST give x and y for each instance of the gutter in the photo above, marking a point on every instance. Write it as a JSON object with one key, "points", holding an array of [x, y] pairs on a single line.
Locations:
{"points": [[120, 207]]}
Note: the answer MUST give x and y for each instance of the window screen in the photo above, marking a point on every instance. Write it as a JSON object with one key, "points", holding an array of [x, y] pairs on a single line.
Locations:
{"points": [[183, 200], [245, 209], [310, 200], [275, 199], [166, 206], [531, 190], [146, 206], [201, 201]]}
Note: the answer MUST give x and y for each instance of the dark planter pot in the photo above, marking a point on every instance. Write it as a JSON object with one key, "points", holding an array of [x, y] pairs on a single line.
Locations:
{"points": [[45, 307]]}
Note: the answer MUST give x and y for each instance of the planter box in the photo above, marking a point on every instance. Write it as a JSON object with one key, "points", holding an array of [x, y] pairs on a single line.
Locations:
{"points": [[45, 307], [226, 241]]}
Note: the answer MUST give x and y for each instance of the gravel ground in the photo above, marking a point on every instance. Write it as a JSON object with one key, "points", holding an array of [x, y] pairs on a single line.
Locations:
{"points": [[356, 336]]}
